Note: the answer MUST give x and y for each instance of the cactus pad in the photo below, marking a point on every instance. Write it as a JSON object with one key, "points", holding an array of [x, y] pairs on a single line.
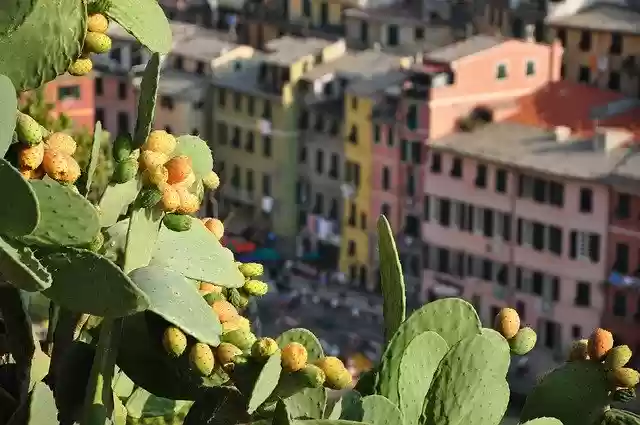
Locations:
{"points": [[281, 415], [21, 268], [326, 422], [177, 301], [543, 421], [19, 212], [217, 406], [42, 406], [419, 363], [141, 237], [378, 410], [142, 404], [333, 408], [147, 100], [351, 403], [619, 417], [66, 218], [115, 200], [265, 383], [89, 283], [197, 254], [96, 145], [8, 106], [502, 348], [304, 337], [199, 152], [391, 280], [451, 318], [145, 20], [309, 403], [579, 386]]}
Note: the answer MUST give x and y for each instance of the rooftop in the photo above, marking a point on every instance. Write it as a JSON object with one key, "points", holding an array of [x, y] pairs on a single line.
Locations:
{"points": [[464, 48], [287, 50], [356, 64], [202, 44], [376, 83], [182, 85], [602, 17]]}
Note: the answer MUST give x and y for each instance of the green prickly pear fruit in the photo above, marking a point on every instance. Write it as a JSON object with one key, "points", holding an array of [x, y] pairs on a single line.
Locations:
{"points": [[579, 350], [523, 342], [125, 170], [177, 222], [226, 352], [201, 358], [236, 298], [239, 323], [623, 377], [256, 288], [96, 42], [314, 377], [337, 376], [240, 338], [149, 197], [211, 180], [122, 147], [28, 130], [264, 348], [599, 344], [174, 341], [225, 310], [624, 395], [294, 357], [97, 242], [617, 357], [212, 297], [507, 322], [251, 270]]}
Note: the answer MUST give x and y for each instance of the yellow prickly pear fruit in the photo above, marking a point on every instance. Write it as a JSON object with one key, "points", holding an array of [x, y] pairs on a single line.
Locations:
{"points": [[81, 66], [264, 347], [523, 342], [240, 338], [28, 130], [189, 203], [208, 288], [151, 159], [161, 142], [61, 142], [507, 322], [97, 23], [599, 344], [623, 377], [239, 323], [617, 357], [314, 377], [251, 270], [179, 168], [170, 200], [155, 176], [215, 226], [30, 157], [226, 352], [97, 42], [211, 181], [29, 174], [294, 357], [60, 166], [225, 310], [337, 376], [579, 351], [174, 341], [256, 288], [201, 358]]}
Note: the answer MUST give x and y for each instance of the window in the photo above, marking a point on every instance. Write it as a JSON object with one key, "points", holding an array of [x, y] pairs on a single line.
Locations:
{"points": [[354, 103], [363, 221], [586, 200], [334, 166], [266, 111], [123, 122], [302, 155], [376, 134], [584, 246], [585, 41], [178, 63], [351, 248], [100, 116], [235, 177], [583, 294], [386, 178], [250, 183], [616, 44], [237, 101], [555, 240], [530, 68], [306, 8], [481, 175], [619, 305], [501, 71], [364, 32], [200, 67], [166, 102], [623, 208], [353, 135], [392, 35], [404, 150], [456, 168], [584, 74], [319, 161], [222, 97], [235, 139], [501, 181], [614, 80], [418, 34], [436, 162], [621, 263], [68, 93], [251, 106], [222, 133], [351, 220], [333, 209], [99, 86], [412, 117], [266, 146], [250, 143], [266, 185], [385, 210], [318, 205]]}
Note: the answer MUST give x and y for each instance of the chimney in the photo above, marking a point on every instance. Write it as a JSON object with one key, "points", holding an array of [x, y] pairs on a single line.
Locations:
{"points": [[530, 33], [556, 52], [608, 139], [562, 134]]}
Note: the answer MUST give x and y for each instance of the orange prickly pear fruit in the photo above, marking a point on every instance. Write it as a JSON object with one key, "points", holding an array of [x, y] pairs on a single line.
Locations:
{"points": [[97, 23], [215, 226], [179, 169], [73, 172], [30, 174], [507, 322], [55, 164], [201, 358], [225, 310], [239, 323], [189, 203], [579, 350], [599, 344], [62, 142], [294, 357], [161, 142], [226, 352], [208, 288], [30, 157]]}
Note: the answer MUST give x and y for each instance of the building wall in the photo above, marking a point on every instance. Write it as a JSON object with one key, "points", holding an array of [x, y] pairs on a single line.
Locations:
{"points": [[74, 97], [110, 105], [385, 155], [184, 118], [335, 9], [377, 32]]}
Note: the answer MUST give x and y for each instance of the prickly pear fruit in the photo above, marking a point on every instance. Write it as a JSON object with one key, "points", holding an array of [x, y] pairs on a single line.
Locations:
{"points": [[600, 342], [624, 395], [523, 342], [251, 270], [97, 23], [240, 338], [28, 174], [174, 341], [179, 168], [122, 147], [239, 323], [212, 297], [337, 376], [623, 377], [579, 351], [30, 157], [264, 347], [189, 203], [161, 142], [617, 357], [507, 322], [28, 130], [125, 171], [211, 180], [215, 226], [225, 311], [57, 165], [314, 377], [170, 199], [96, 42], [226, 352], [256, 288], [201, 358], [177, 222], [80, 67], [294, 357], [239, 300], [62, 142], [149, 197], [208, 288], [188, 182], [151, 159], [96, 243]]}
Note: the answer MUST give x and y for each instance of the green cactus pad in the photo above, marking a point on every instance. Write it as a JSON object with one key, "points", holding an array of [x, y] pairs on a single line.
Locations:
{"points": [[472, 372], [19, 210], [281, 415], [177, 301], [147, 100], [89, 283], [543, 421], [419, 363], [94, 157], [502, 347], [391, 280], [352, 409], [66, 218], [333, 407], [217, 406], [309, 403], [142, 235], [45, 44], [265, 383], [142, 404], [21, 268], [197, 254], [304, 337], [145, 20], [366, 384], [14, 15], [327, 422], [8, 106], [123, 386], [115, 200], [72, 373], [40, 364], [451, 318], [378, 410], [579, 386], [41, 406], [619, 417], [199, 152]]}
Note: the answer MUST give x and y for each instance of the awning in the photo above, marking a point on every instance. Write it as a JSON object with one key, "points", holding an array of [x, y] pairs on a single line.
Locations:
{"points": [[260, 255], [239, 245]]}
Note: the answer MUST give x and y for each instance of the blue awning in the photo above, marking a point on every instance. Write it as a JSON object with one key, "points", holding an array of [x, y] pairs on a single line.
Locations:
{"points": [[618, 279]]}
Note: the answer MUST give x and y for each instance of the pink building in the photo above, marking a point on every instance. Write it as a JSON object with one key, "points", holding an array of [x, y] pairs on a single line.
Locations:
{"points": [[72, 96]]}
